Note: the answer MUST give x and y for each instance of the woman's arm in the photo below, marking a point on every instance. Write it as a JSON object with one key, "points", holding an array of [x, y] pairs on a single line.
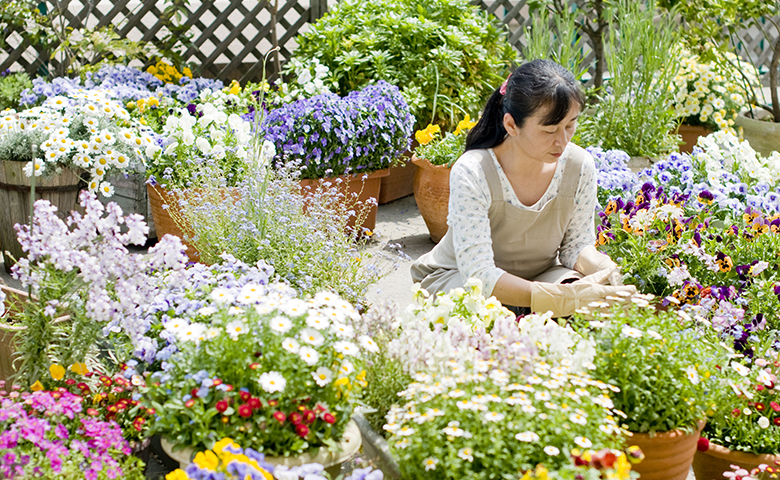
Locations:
{"points": [[581, 231], [513, 290]]}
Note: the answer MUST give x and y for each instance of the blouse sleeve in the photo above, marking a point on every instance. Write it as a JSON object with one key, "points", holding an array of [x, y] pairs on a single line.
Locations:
{"points": [[468, 219], [581, 231]]}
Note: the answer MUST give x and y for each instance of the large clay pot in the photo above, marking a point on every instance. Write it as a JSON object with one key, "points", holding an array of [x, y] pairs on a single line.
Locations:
{"points": [[398, 183], [350, 444], [763, 135], [432, 194], [668, 455], [62, 190], [690, 135], [710, 464], [365, 186]]}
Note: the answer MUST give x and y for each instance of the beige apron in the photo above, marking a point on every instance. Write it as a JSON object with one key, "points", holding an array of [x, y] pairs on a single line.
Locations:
{"points": [[525, 242]]}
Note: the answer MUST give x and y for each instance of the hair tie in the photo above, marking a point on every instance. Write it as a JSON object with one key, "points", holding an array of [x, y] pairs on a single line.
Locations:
{"points": [[502, 90]]}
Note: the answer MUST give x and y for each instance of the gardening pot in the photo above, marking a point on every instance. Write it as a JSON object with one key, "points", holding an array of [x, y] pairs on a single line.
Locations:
{"points": [[668, 455], [432, 194], [398, 183], [331, 460], [710, 464], [61, 190], [376, 449], [365, 186], [690, 135], [763, 134]]}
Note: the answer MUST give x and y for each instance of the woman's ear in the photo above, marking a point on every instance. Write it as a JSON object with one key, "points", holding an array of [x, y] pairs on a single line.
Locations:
{"points": [[509, 125]]}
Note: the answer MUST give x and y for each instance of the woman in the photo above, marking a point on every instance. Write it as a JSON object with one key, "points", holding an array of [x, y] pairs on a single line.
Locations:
{"points": [[522, 201]]}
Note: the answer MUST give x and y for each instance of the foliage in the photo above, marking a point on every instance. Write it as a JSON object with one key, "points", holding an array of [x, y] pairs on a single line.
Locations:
{"points": [[635, 113], [445, 50], [709, 93], [47, 434], [556, 40], [443, 150], [24, 18], [661, 363], [263, 367], [81, 268], [750, 420], [83, 131], [328, 136], [11, 87]]}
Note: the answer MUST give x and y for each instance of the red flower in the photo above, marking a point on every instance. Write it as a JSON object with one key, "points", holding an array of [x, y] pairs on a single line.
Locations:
{"points": [[253, 366], [221, 406], [83, 387], [273, 403], [760, 406], [280, 417], [736, 412], [92, 412], [302, 430], [106, 380], [70, 381], [151, 411], [777, 421], [255, 403], [703, 444], [245, 395], [245, 410], [194, 392], [775, 406], [138, 423], [189, 403], [759, 387], [217, 382], [328, 417], [296, 418], [309, 417]]}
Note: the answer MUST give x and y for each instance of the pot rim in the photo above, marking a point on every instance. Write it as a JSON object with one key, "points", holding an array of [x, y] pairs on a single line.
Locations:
{"points": [[424, 162], [719, 451], [672, 434]]}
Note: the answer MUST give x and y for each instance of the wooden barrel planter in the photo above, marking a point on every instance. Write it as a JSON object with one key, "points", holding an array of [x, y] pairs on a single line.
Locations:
{"points": [[61, 190]]}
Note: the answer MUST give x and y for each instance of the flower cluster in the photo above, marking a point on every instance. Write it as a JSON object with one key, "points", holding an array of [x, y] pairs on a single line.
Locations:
{"points": [[46, 433], [330, 136], [443, 151], [663, 363], [167, 73], [308, 81], [83, 131], [270, 368], [707, 93]]}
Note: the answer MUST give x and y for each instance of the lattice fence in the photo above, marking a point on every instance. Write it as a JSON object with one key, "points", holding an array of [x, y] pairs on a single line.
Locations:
{"points": [[230, 37]]}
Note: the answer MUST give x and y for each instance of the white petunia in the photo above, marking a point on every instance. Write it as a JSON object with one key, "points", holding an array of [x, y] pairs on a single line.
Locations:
{"points": [[272, 382], [322, 376], [309, 355]]}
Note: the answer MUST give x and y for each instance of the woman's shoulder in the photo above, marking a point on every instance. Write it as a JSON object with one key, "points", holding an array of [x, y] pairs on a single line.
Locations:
{"points": [[471, 161], [580, 155]]}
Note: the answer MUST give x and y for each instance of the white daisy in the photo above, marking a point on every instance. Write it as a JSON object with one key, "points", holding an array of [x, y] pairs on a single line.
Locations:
{"points": [[272, 382], [529, 437], [346, 368], [312, 337], [583, 442], [430, 463], [235, 328], [294, 307], [466, 454], [322, 376], [368, 344], [551, 451], [309, 355], [494, 416], [342, 330], [317, 321], [291, 345], [281, 324], [222, 295], [347, 348]]}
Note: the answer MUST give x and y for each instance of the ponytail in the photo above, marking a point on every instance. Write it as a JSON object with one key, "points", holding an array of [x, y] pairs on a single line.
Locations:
{"points": [[489, 131]]}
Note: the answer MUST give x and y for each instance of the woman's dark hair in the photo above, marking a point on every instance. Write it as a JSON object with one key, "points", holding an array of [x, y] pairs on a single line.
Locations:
{"points": [[531, 86]]}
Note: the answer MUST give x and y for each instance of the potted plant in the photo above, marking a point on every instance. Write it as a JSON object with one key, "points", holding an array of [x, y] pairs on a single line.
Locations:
{"points": [[709, 96], [328, 136], [434, 156], [661, 364], [495, 395], [70, 141], [270, 370], [717, 28], [746, 431], [51, 434]]}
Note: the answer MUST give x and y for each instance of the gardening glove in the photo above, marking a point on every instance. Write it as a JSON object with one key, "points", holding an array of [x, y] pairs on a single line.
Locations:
{"points": [[591, 261], [564, 299]]}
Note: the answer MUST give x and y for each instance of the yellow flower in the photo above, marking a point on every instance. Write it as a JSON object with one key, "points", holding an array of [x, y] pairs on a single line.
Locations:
{"points": [[57, 371], [37, 386], [79, 368], [464, 124], [206, 460], [425, 136], [152, 69], [186, 71], [341, 381], [130, 105], [153, 102], [177, 474], [235, 88], [142, 120], [222, 444]]}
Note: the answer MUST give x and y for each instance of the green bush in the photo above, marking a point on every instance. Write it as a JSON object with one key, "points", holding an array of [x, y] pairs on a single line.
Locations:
{"points": [[11, 87], [443, 50]]}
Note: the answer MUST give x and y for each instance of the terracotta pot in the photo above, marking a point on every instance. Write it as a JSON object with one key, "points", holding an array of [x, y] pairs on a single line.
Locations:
{"points": [[763, 135], [364, 186], [711, 464], [668, 455], [350, 444], [61, 190], [690, 135], [398, 183], [432, 194], [14, 301], [165, 208]]}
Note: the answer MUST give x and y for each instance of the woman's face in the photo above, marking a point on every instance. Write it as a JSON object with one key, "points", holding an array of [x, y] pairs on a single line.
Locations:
{"points": [[540, 142]]}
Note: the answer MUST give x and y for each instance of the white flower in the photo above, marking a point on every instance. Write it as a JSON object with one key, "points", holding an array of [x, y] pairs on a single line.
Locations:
{"points": [[342, 330], [466, 454], [740, 369], [765, 377], [281, 324], [309, 355], [577, 418], [235, 328], [453, 431], [250, 293], [222, 295], [759, 267], [291, 345], [272, 382], [207, 311], [551, 451], [294, 307], [494, 416], [430, 463], [322, 376], [631, 332], [405, 431], [368, 344], [192, 332], [763, 422], [347, 348], [693, 374], [312, 337], [318, 321], [529, 437], [346, 368], [583, 442]]}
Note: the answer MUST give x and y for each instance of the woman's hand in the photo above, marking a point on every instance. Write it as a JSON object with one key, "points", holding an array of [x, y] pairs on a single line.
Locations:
{"points": [[592, 261], [564, 299]]}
